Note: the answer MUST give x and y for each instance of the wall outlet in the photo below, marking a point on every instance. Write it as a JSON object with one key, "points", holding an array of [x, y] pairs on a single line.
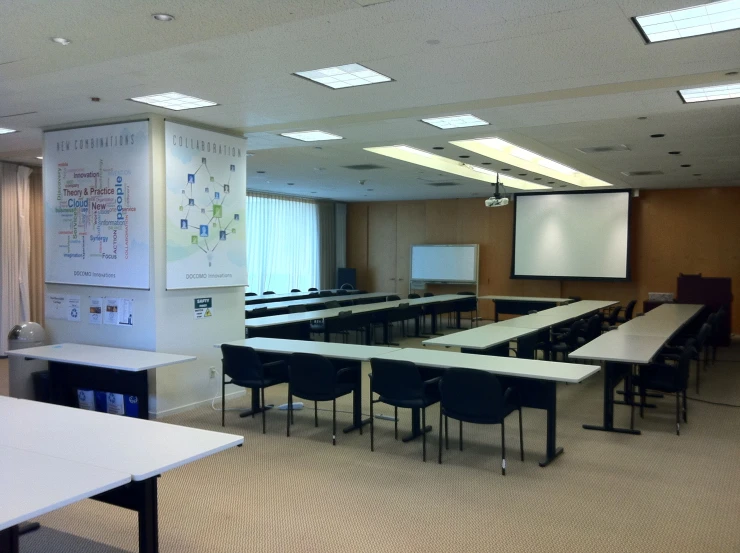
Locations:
{"points": [[212, 372]]}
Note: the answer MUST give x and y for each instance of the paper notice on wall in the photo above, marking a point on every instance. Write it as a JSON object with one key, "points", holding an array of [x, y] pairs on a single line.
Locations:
{"points": [[73, 309], [110, 313], [125, 312], [56, 306], [96, 311]]}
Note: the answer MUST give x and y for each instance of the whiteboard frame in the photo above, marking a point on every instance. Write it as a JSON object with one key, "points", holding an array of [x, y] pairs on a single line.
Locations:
{"points": [[441, 281]]}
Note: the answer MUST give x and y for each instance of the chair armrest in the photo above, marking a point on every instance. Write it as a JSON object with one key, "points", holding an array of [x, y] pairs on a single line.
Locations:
{"points": [[347, 370], [511, 396], [432, 381], [274, 363]]}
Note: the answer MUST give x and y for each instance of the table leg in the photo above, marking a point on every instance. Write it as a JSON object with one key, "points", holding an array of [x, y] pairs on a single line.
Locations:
{"points": [[610, 381], [458, 314], [9, 540], [551, 451], [256, 405], [357, 420], [495, 311], [139, 496], [416, 429]]}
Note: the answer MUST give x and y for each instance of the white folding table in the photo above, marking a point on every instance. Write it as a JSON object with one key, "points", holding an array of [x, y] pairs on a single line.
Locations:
{"points": [[535, 380], [491, 339], [137, 448], [114, 370], [521, 305], [277, 305]]}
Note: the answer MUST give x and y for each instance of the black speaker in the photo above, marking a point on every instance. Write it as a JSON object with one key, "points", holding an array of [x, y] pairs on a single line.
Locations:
{"points": [[346, 278]]}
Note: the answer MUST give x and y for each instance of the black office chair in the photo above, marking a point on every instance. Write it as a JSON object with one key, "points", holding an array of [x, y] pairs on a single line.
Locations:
{"points": [[342, 292], [628, 312], [468, 305], [402, 384], [318, 326], [669, 379], [413, 296], [698, 343], [574, 299], [243, 366], [267, 293], [591, 330], [300, 308], [470, 395], [428, 294], [294, 290], [314, 378], [326, 293], [568, 342], [716, 337], [250, 294], [313, 289], [347, 286], [610, 322]]}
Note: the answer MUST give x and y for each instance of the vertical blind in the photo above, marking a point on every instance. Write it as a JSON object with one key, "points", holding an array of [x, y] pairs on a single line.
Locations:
{"points": [[282, 243]]}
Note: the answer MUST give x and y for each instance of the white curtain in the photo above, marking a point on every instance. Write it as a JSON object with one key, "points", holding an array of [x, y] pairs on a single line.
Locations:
{"points": [[15, 248], [282, 243]]}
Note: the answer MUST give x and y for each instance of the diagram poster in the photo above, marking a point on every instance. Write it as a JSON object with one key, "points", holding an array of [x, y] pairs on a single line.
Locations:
{"points": [[97, 194], [206, 207]]}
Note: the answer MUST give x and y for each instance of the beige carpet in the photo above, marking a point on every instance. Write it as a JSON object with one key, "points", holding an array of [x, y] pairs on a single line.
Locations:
{"points": [[652, 493]]}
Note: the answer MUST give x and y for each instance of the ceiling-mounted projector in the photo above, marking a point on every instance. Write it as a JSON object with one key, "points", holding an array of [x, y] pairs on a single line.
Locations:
{"points": [[497, 200]]}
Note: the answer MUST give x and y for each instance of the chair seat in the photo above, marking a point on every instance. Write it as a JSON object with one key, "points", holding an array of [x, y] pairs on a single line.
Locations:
{"points": [[266, 383], [508, 409], [419, 403], [342, 389]]}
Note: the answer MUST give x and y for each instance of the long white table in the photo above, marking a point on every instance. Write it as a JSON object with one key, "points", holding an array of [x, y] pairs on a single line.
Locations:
{"points": [[535, 380], [634, 343], [117, 370], [521, 305], [139, 449], [277, 348], [290, 295], [557, 315], [491, 339], [278, 305], [296, 325]]}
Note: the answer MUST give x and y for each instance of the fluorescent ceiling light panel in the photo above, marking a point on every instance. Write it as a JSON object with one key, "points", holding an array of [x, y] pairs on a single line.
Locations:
{"points": [[456, 121], [344, 76], [174, 101], [703, 19], [311, 136], [511, 154], [6, 131], [408, 154], [708, 93]]}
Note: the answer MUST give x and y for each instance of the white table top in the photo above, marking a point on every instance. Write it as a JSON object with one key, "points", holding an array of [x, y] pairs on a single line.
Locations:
{"points": [[482, 337], [661, 322], [32, 484], [351, 352], [525, 298], [313, 301], [273, 320], [508, 366], [557, 315], [103, 357], [138, 447], [293, 295], [621, 347]]}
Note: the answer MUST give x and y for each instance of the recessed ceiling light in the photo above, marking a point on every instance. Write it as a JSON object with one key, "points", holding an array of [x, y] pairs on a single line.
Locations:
{"points": [[456, 121], [709, 93], [522, 174], [463, 157], [703, 19], [657, 135], [344, 76], [642, 118], [261, 172], [675, 153], [731, 73], [440, 163], [686, 165], [485, 163], [697, 174], [61, 41], [291, 183], [506, 152], [311, 136], [163, 17], [438, 148], [174, 101], [506, 169], [39, 157], [7, 131]]}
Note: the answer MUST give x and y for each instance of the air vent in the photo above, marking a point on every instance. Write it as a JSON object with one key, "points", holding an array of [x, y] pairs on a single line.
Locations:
{"points": [[444, 183], [363, 166], [602, 149], [641, 173]]}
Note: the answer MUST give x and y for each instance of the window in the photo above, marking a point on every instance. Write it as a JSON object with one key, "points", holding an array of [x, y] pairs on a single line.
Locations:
{"points": [[282, 243]]}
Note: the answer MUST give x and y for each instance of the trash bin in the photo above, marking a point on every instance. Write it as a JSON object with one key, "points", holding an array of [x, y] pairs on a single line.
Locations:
{"points": [[26, 335]]}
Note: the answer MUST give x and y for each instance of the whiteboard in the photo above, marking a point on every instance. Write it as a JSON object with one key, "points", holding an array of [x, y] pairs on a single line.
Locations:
{"points": [[572, 235], [445, 263]]}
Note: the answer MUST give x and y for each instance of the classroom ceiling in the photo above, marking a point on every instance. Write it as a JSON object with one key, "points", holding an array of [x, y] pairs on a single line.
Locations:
{"points": [[549, 75]]}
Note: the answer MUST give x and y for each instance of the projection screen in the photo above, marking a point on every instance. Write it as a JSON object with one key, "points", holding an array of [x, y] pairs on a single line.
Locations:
{"points": [[576, 235]]}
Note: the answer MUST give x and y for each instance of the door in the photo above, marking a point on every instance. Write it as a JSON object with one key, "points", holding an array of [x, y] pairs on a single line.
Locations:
{"points": [[381, 253]]}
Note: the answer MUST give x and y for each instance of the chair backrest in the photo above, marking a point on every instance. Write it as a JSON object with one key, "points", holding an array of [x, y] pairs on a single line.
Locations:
{"points": [[466, 293], [333, 304], [257, 311], [629, 310], [684, 364], [344, 314], [613, 315], [241, 363], [342, 292], [313, 289], [325, 293], [576, 330], [574, 299], [300, 308], [472, 395], [414, 296], [704, 333], [402, 305], [393, 297], [311, 374], [251, 294], [396, 380], [593, 327], [267, 293], [347, 286], [294, 290], [428, 294]]}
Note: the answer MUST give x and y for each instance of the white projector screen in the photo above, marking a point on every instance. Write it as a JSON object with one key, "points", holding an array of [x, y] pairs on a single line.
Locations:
{"points": [[572, 235], [448, 263]]}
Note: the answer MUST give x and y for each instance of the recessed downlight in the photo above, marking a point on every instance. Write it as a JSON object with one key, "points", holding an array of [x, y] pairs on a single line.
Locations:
{"points": [[261, 172], [61, 41], [164, 17], [660, 135], [686, 165], [675, 153], [463, 157]]}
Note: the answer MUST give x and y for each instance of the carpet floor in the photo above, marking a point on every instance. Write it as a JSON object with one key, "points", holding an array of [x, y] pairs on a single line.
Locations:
{"points": [[607, 493]]}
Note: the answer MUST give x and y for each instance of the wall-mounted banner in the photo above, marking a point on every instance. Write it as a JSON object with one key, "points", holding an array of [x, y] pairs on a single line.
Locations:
{"points": [[206, 208], [97, 193]]}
